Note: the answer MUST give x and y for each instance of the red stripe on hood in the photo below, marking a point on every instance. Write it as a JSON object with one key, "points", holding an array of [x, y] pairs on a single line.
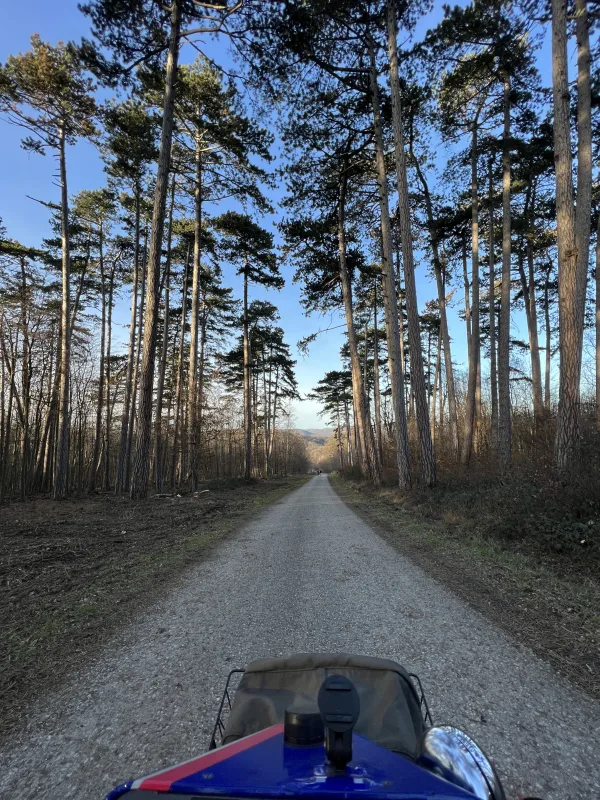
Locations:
{"points": [[162, 781]]}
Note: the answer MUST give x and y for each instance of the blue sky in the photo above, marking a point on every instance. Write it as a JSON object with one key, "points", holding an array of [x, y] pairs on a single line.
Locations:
{"points": [[29, 174]]}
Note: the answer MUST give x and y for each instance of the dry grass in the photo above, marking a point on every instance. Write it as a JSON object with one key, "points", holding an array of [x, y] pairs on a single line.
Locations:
{"points": [[513, 549], [70, 572]]}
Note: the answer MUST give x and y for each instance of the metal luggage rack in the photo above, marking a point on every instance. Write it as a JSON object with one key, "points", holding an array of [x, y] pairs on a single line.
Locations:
{"points": [[423, 705], [229, 691], [224, 708]]}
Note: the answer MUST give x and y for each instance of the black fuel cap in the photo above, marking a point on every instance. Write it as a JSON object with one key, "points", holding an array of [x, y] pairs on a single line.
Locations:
{"points": [[303, 726]]}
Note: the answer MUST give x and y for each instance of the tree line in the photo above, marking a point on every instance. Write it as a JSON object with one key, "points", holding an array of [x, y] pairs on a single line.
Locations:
{"points": [[76, 413], [446, 153], [451, 154]]}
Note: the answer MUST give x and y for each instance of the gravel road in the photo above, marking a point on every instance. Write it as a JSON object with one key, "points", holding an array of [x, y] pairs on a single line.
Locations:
{"points": [[307, 575]]}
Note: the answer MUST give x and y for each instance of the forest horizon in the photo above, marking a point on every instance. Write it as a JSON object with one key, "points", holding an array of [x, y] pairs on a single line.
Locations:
{"points": [[280, 183]]}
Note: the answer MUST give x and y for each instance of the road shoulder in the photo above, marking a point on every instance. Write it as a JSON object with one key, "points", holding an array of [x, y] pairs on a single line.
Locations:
{"points": [[557, 617], [73, 572]]}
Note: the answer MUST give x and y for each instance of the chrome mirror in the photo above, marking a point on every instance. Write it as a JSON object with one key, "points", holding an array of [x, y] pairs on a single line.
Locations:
{"points": [[451, 754]]}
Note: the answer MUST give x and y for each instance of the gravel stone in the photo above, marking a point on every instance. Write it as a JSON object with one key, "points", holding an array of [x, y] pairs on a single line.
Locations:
{"points": [[308, 575]]}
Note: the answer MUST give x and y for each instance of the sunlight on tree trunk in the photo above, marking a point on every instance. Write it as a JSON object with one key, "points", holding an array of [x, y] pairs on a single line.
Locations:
{"points": [[141, 470]]}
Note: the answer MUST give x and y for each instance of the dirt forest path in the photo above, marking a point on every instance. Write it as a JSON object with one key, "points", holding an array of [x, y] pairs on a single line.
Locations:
{"points": [[306, 575]]}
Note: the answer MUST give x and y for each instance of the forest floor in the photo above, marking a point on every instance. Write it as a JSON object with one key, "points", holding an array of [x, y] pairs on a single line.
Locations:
{"points": [[518, 555], [72, 571]]}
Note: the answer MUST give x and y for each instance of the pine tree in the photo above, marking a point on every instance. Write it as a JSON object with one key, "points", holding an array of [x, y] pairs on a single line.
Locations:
{"points": [[46, 91], [250, 247], [142, 33], [129, 148]]}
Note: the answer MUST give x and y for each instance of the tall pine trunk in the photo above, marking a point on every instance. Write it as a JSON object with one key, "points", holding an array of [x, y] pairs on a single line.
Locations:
{"points": [[109, 404], [125, 421], [3, 415], [529, 301], [141, 469], [178, 426], [504, 432], [96, 454], [370, 465], [472, 317], [417, 376], [441, 292], [376, 380], [567, 428], [536, 367], [192, 388], [437, 379], [583, 204], [395, 362], [598, 323], [247, 386], [467, 290], [548, 359], [158, 426], [492, 310], [25, 385], [573, 227], [138, 358], [62, 449], [201, 365]]}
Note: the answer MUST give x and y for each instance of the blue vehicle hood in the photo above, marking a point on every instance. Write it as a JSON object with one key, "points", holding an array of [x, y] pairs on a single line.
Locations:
{"points": [[262, 766]]}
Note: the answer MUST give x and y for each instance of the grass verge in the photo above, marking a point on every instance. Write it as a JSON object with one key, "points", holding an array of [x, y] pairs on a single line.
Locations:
{"points": [[546, 603], [72, 572]]}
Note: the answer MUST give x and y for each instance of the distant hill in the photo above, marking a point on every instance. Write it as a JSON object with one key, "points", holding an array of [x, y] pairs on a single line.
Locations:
{"points": [[316, 435]]}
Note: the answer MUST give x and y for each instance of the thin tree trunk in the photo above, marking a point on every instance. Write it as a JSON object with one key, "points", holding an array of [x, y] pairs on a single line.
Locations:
{"points": [[417, 376], [467, 287], [96, 456], [492, 313], [158, 426], [357, 444], [370, 465], [109, 405], [138, 359], [141, 470], [548, 360], [2, 413], [62, 454], [401, 321], [125, 421], [437, 377], [396, 365], [441, 291], [338, 437], [534, 344], [177, 460], [349, 449], [247, 386], [376, 381], [51, 424], [6, 466], [478, 404], [266, 412], [200, 397], [25, 385], [192, 388], [529, 300], [598, 324], [471, 404], [504, 432]]}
